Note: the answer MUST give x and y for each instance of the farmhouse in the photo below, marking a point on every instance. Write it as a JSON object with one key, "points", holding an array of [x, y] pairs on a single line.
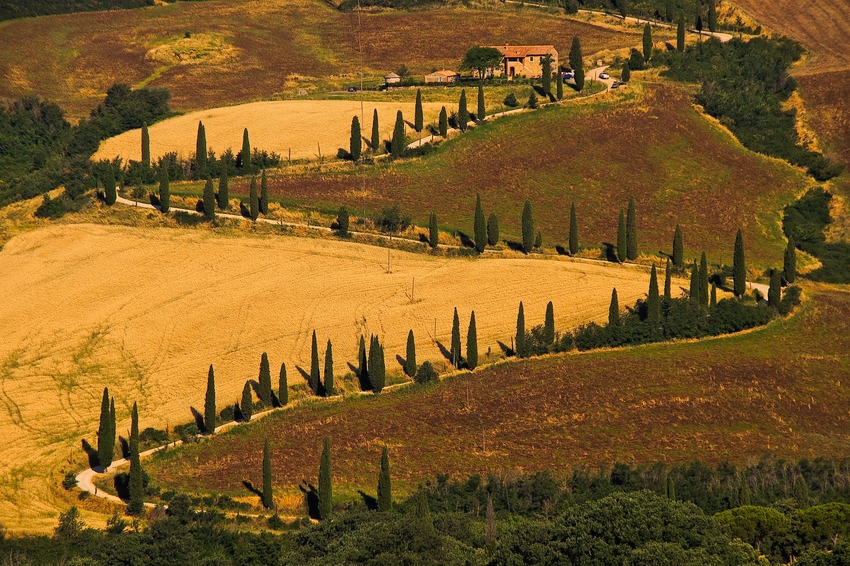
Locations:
{"points": [[392, 79], [442, 77], [525, 60]]}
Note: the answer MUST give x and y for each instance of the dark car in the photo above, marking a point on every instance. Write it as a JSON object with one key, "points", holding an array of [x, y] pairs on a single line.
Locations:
{"points": [[352, 89]]}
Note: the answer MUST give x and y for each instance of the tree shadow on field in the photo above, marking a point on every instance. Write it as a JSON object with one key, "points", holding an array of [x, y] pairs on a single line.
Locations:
{"points": [[401, 361], [508, 351], [611, 252], [370, 502], [250, 487], [243, 210], [562, 250], [155, 201], [91, 454], [515, 246], [125, 447], [311, 499], [424, 239], [445, 352], [199, 419], [465, 240]]}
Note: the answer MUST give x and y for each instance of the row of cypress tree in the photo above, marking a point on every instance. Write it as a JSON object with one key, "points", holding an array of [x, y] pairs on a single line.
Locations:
{"points": [[106, 438], [457, 359]]}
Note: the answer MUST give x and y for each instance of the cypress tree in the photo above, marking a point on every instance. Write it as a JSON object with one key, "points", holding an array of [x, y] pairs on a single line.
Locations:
{"points": [[621, 238], [577, 63], [739, 267], [418, 116], [164, 191], [668, 284], [631, 231], [397, 143], [789, 267], [519, 347], [385, 492], [678, 248], [410, 366], [546, 76], [376, 134], [329, 371], [201, 152], [693, 293], [209, 200], [480, 226], [223, 189], [103, 434], [538, 239], [472, 344], [268, 494], [671, 488], [493, 229], [247, 404], [264, 391], [614, 310], [314, 365], [433, 232], [246, 152], [532, 100], [713, 299], [146, 147], [573, 244], [282, 386], [712, 16], [325, 483], [254, 200], [774, 293], [527, 227], [559, 86], [264, 193], [209, 403], [137, 485], [112, 432], [549, 325], [647, 42], [462, 112], [653, 302], [443, 124], [342, 219], [626, 73], [703, 280], [482, 110], [455, 351], [355, 144], [680, 33], [109, 186], [362, 366], [377, 369]]}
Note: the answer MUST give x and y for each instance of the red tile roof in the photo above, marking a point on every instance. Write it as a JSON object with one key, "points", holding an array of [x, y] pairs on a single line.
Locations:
{"points": [[525, 50]]}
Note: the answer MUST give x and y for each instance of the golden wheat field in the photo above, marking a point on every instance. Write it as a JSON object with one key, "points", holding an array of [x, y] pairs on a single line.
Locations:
{"points": [[145, 311], [300, 126]]}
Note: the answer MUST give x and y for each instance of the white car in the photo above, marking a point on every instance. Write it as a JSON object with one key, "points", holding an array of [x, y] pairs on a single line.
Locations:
{"points": [[604, 76]]}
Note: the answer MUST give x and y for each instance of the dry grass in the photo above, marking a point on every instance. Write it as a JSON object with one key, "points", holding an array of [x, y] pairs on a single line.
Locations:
{"points": [[247, 50], [301, 126], [146, 310]]}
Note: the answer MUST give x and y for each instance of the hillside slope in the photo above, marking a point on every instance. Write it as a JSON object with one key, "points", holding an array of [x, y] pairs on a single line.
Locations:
{"points": [[679, 166], [223, 52], [781, 389]]}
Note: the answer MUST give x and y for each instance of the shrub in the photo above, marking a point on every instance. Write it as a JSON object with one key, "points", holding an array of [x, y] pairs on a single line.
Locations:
{"points": [[390, 219], [511, 101], [426, 373]]}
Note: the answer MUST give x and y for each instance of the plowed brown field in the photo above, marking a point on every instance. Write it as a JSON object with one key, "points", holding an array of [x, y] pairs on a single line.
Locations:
{"points": [[782, 389]]}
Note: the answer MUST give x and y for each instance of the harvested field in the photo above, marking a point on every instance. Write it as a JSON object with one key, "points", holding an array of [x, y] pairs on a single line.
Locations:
{"points": [[781, 389], [679, 166], [821, 26], [145, 311], [299, 126], [246, 50]]}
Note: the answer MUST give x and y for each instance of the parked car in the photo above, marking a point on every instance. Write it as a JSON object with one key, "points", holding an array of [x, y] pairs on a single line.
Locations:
{"points": [[352, 89], [615, 85], [383, 87], [604, 76]]}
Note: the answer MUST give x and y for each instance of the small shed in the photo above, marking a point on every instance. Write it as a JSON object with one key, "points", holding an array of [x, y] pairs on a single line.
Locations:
{"points": [[392, 79], [442, 77]]}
